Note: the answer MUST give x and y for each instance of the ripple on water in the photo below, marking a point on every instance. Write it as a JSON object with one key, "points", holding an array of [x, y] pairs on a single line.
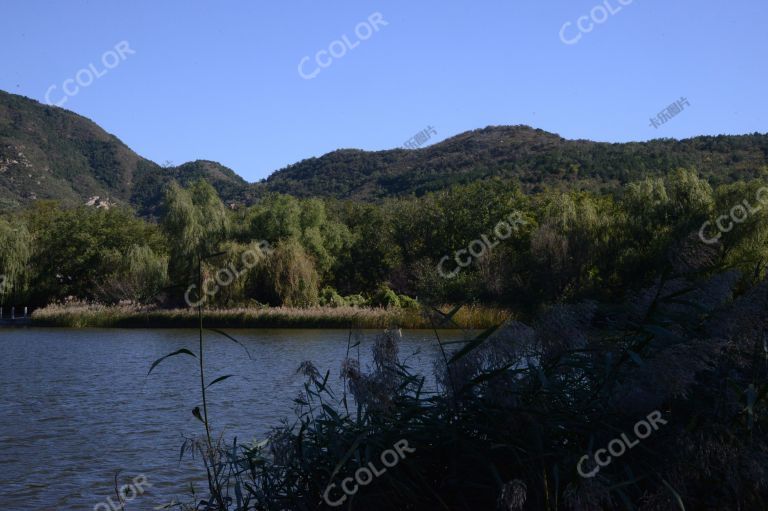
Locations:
{"points": [[78, 406]]}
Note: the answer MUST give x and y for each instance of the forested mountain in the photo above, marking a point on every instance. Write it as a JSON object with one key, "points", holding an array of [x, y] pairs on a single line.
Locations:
{"points": [[51, 153], [147, 193], [532, 156]]}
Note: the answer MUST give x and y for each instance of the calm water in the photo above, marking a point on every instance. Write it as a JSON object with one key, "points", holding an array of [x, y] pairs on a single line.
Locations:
{"points": [[77, 405]]}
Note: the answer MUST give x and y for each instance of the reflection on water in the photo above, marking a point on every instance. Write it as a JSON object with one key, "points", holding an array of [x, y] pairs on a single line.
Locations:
{"points": [[77, 405]]}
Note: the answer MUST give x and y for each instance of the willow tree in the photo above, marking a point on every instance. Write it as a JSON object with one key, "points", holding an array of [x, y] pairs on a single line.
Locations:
{"points": [[140, 275], [692, 198], [275, 217], [196, 222], [15, 252], [647, 204], [571, 243], [233, 275], [743, 238], [288, 276]]}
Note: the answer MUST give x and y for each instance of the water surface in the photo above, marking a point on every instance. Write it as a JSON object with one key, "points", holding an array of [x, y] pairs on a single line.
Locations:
{"points": [[77, 405]]}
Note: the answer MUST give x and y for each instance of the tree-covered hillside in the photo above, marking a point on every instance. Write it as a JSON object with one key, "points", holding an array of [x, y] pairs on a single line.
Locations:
{"points": [[47, 152], [534, 157], [51, 153]]}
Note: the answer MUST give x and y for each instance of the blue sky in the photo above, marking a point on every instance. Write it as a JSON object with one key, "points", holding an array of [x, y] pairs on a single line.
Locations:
{"points": [[220, 81]]}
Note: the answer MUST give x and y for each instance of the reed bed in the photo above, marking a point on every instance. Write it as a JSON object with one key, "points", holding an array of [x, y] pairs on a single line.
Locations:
{"points": [[95, 315]]}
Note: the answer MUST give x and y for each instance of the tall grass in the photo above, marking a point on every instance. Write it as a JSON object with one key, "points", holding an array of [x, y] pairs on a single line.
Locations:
{"points": [[83, 315], [520, 405]]}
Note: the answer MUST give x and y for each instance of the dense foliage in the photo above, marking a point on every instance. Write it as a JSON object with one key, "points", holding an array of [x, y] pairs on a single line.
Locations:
{"points": [[567, 245], [534, 158]]}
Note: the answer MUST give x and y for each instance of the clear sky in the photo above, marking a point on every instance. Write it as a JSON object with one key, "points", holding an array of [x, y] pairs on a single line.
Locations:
{"points": [[220, 80]]}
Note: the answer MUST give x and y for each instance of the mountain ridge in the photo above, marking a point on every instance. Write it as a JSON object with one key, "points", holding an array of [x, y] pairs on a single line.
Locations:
{"points": [[534, 157], [47, 152]]}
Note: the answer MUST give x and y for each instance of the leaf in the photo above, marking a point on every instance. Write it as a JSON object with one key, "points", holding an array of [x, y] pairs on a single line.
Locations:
{"points": [[332, 413], [448, 343], [238, 494], [196, 413], [625, 499], [660, 332], [486, 376], [183, 448], [635, 358], [608, 363], [677, 293], [448, 317], [678, 499], [348, 454], [182, 351], [225, 334], [689, 303], [474, 343], [210, 256], [539, 372], [220, 378]]}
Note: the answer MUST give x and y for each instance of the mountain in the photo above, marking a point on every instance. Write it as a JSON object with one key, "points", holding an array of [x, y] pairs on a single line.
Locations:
{"points": [[47, 152], [532, 156], [147, 192]]}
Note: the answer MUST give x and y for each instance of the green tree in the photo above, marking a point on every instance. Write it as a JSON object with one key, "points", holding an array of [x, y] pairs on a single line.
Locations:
{"points": [[195, 222], [288, 277], [15, 253], [140, 277], [76, 250]]}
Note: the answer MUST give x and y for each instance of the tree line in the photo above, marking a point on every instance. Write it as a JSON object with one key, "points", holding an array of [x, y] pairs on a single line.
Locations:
{"points": [[574, 244]]}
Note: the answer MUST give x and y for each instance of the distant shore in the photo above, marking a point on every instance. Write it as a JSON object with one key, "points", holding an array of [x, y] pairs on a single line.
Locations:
{"points": [[129, 316]]}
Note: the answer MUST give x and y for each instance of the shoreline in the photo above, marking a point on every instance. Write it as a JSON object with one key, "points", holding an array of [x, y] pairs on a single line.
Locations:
{"points": [[122, 316]]}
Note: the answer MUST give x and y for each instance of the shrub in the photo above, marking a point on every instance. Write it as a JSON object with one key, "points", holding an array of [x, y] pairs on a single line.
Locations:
{"points": [[329, 297], [356, 300], [385, 297], [406, 302]]}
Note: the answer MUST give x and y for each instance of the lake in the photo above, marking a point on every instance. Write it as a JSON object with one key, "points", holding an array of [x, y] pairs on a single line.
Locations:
{"points": [[77, 405]]}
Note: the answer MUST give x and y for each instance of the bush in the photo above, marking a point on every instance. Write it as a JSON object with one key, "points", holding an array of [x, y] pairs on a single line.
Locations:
{"points": [[356, 300], [329, 297], [406, 302], [385, 297]]}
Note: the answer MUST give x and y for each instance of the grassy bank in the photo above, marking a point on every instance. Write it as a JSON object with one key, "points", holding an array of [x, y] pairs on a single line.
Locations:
{"points": [[129, 316]]}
